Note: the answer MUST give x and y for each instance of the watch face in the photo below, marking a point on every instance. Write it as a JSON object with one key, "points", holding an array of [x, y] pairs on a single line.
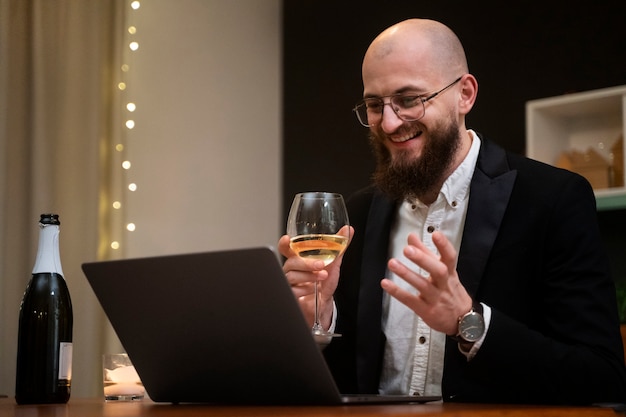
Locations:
{"points": [[472, 327]]}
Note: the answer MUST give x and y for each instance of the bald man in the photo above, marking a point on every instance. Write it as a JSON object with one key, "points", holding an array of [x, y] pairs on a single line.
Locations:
{"points": [[472, 273]]}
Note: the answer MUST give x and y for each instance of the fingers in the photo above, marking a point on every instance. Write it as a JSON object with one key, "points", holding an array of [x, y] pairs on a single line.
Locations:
{"points": [[284, 248], [416, 280], [438, 270], [299, 271], [302, 274], [447, 252], [439, 266], [347, 231], [440, 297], [403, 296]]}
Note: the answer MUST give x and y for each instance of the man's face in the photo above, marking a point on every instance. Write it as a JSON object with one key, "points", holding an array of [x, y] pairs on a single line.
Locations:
{"points": [[413, 157]]}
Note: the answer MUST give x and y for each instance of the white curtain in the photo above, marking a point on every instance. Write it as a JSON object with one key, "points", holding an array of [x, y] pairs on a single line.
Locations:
{"points": [[57, 129]]}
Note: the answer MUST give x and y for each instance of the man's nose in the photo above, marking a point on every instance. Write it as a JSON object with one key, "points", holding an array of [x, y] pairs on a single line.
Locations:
{"points": [[389, 120]]}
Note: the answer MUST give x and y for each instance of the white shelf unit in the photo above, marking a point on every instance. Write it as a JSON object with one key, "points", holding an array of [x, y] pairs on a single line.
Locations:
{"points": [[579, 121]]}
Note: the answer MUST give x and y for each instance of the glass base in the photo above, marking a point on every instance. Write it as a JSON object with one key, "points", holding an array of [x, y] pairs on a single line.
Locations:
{"points": [[324, 338]]}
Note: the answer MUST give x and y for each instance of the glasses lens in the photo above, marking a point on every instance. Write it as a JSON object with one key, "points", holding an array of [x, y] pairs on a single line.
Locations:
{"points": [[361, 114], [408, 107]]}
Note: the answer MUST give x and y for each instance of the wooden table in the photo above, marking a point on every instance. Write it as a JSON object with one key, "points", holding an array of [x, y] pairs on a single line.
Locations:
{"points": [[99, 408]]}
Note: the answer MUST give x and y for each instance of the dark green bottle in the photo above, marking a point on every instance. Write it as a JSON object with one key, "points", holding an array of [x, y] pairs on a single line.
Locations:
{"points": [[44, 347]]}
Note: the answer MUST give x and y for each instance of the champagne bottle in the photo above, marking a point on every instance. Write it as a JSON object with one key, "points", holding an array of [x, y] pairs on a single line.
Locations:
{"points": [[44, 347]]}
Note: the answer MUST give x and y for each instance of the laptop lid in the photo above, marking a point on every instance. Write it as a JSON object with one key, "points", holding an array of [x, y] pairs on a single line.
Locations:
{"points": [[214, 327]]}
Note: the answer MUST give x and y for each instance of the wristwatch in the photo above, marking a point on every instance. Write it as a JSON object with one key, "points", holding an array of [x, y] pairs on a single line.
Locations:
{"points": [[471, 327]]}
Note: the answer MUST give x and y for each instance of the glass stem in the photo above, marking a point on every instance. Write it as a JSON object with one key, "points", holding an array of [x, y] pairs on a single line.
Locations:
{"points": [[317, 327]]}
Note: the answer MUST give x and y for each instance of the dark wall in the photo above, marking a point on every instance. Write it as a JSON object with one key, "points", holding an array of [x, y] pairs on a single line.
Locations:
{"points": [[518, 53]]}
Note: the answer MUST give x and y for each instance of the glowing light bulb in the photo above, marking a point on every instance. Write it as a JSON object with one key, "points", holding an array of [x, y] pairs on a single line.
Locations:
{"points": [[131, 107], [132, 186], [133, 46], [117, 205], [126, 164], [130, 124], [130, 227], [135, 5], [115, 245], [122, 86]]}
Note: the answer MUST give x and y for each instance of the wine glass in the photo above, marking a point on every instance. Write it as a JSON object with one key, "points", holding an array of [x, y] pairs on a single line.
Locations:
{"points": [[314, 223]]}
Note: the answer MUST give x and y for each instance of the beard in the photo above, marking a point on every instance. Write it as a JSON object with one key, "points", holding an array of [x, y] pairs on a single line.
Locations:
{"points": [[403, 177]]}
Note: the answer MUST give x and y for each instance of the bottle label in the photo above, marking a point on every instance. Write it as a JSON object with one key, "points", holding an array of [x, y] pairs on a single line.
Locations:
{"points": [[65, 361]]}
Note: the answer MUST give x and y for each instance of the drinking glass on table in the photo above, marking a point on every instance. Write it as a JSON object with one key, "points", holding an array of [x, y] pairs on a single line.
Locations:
{"points": [[313, 226], [121, 381]]}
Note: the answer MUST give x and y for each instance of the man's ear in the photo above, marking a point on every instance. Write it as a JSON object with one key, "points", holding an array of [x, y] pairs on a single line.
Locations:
{"points": [[469, 92]]}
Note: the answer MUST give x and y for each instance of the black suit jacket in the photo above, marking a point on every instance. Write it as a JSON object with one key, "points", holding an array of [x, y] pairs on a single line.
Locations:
{"points": [[532, 251]]}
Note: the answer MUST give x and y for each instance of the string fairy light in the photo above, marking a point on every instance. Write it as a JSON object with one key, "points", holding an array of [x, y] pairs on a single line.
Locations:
{"points": [[128, 109]]}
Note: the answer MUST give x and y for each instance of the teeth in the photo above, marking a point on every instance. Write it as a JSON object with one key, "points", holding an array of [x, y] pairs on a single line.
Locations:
{"points": [[404, 138]]}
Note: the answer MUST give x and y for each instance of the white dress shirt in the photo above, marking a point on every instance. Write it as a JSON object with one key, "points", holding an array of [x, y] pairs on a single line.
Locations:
{"points": [[413, 359]]}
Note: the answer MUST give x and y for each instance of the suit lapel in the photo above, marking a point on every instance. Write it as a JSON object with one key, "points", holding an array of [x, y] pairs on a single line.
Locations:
{"points": [[490, 191]]}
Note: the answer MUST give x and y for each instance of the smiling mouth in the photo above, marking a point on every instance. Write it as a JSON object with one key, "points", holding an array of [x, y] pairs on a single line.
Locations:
{"points": [[406, 137]]}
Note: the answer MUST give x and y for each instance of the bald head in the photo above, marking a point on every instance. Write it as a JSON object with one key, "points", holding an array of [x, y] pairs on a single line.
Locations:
{"points": [[422, 42]]}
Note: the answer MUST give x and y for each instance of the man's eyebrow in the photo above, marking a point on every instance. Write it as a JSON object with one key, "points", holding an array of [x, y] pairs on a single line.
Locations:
{"points": [[404, 90], [411, 90]]}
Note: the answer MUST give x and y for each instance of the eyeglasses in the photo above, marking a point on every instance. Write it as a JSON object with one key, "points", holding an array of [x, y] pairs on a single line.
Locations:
{"points": [[408, 107]]}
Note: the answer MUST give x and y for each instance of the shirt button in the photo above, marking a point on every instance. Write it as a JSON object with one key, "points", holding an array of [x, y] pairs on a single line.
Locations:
{"points": [[430, 229], [454, 204], [422, 340]]}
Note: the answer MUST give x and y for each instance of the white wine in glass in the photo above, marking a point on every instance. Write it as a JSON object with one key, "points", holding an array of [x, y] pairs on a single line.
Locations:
{"points": [[314, 225], [319, 246]]}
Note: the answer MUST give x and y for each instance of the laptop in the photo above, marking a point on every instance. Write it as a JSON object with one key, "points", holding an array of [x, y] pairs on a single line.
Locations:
{"points": [[217, 327]]}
